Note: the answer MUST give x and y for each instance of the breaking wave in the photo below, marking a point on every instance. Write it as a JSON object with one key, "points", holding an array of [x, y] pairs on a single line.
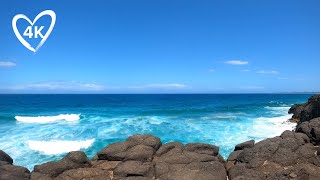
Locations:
{"points": [[48, 119], [59, 147]]}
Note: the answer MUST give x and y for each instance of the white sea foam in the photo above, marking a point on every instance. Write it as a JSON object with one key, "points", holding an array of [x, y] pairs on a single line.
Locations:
{"points": [[58, 147], [48, 119], [281, 108], [224, 116], [273, 126]]}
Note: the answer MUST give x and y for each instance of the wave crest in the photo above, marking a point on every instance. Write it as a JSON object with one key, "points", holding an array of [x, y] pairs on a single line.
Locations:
{"points": [[59, 147], [48, 119]]}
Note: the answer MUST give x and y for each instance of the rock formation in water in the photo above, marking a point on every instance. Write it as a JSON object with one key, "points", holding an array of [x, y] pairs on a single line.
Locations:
{"points": [[292, 155], [307, 111]]}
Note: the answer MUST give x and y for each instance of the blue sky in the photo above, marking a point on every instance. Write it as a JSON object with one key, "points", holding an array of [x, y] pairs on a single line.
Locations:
{"points": [[164, 47]]}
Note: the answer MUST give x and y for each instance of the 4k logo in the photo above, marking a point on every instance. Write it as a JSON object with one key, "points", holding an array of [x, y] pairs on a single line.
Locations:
{"points": [[33, 31], [37, 32]]}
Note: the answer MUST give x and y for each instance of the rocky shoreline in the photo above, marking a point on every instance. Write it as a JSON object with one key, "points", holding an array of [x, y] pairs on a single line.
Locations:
{"points": [[292, 155]]}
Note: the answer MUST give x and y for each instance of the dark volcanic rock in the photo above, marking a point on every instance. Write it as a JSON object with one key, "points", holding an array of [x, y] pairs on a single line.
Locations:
{"points": [[5, 157], [85, 173], [197, 170], [290, 156], [247, 144], [194, 161], [73, 160], [9, 171], [135, 148], [134, 168], [202, 148], [143, 157], [311, 129], [307, 111]]}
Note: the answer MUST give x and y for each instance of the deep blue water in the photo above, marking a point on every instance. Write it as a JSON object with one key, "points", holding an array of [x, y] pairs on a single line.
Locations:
{"points": [[220, 119]]}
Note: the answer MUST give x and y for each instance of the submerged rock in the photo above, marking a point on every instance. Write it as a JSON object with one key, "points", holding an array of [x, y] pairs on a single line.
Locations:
{"points": [[307, 111]]}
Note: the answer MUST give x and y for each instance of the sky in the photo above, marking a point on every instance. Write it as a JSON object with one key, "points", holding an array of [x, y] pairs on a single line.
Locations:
{"points": [[167, 46]]}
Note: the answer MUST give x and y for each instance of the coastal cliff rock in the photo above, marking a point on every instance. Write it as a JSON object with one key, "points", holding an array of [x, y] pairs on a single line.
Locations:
{"points": [[311, 129], [307, 111], [9, 171], [289, 156], [140, 157], [144, 157]]}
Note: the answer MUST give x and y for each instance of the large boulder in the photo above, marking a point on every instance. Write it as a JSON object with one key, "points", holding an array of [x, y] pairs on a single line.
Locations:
{"points": [[311, 129], [143, 157], [73, 160], [289, 156], [5, 157], [9, 171], [193, 161], [135, 148], [307, 111]]}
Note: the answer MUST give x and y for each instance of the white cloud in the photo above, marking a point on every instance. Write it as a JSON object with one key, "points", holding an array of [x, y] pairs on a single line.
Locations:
{"points": [[212, 70], [59, 85], [283, 78], [245, 70], [252, 87], [160, 86], [267, 72], [236, 62], [7, 64]]}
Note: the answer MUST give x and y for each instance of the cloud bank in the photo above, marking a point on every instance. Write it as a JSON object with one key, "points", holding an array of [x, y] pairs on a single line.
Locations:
{"points": [[267, 72], [236, 62], [7, 64]]}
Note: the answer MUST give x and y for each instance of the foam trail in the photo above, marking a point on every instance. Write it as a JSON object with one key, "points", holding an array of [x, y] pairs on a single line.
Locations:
{"points": [[48, 119], [58, 147]]}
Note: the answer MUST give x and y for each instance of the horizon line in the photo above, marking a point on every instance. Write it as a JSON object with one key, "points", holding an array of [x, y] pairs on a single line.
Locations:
{"points": [[157, 93]]}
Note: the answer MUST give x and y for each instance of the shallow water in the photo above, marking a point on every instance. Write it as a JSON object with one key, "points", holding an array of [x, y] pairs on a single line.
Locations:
{"points": [[48, 126]]}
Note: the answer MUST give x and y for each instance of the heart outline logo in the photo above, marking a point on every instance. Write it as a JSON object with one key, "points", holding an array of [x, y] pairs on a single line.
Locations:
{"points": [[45, 37]]}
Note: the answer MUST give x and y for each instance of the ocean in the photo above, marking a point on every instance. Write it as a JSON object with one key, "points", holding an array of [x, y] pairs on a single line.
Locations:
{"points": [[38, 128]]}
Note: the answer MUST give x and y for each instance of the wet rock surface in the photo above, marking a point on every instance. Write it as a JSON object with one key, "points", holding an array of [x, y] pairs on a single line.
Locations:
{"points": [[307, 111]]}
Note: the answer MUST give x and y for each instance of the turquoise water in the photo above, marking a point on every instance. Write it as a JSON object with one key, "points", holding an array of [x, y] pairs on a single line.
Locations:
{"points": [[48, 126]]}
